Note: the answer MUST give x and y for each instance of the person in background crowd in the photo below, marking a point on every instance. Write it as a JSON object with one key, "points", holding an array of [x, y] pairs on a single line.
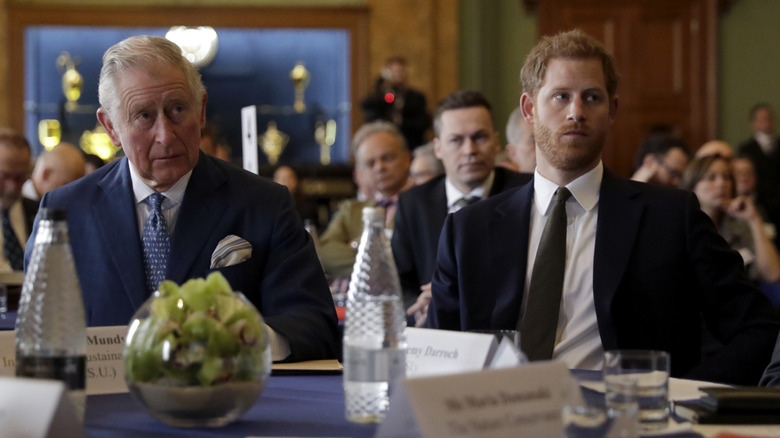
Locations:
{"points": [[92, 163], [166, 209], [715, 147], [764, 151], [17, 212], [467, 143], [736, 218], [746, 181], [661, 159], [393, 101], [286, 176], [210, 143], [744, 177], [425, 166], [54, 168], [581, 261], [380, 150], [520, 146]]}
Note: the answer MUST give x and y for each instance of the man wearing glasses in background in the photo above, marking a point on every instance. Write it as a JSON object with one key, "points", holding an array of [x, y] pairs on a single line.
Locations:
{"points": [[661, 160]]}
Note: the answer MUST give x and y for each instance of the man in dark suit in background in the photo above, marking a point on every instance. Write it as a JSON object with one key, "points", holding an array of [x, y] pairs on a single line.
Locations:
{"points": [[17, 212], [153, 105], [621, 264], [393, 101], [763, 149], [467, 143]]}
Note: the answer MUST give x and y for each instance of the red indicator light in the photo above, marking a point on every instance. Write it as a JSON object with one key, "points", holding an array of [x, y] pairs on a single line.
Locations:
{"points": [[389, 97]]}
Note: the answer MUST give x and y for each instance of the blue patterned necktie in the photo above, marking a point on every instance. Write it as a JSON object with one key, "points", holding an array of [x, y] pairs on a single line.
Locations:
{"points": [[12, 249], [156, 243]]}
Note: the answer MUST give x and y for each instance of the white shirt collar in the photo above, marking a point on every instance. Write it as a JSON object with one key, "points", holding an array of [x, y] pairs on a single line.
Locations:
{"points": [[173, 196], [585, 189], [454, 195], [766, 141]]}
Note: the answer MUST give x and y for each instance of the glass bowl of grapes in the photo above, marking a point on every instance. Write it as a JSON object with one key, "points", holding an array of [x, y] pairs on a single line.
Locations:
{"points": [[197, 355]]}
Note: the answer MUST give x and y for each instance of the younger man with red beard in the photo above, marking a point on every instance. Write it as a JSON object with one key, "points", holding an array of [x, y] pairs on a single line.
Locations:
{"points": [[621, 264]]}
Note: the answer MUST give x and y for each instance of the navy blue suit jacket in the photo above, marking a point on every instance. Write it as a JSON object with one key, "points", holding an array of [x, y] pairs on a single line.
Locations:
{"points": [[418, 221], [659, 269], [283, 278]]}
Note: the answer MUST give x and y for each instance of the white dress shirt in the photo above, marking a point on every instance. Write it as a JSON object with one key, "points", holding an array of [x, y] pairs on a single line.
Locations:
{"points": [[29, 192], [766, 142], [454, 195], [170, 206], [280, 347], [577, 340]]}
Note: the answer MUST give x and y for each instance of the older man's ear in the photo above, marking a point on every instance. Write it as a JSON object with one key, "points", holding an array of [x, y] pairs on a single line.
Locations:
{"points": [[105, 121]]}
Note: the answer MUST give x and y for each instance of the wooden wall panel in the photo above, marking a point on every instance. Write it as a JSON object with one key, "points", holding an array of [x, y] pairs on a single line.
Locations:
{"points": [[666, 54]]}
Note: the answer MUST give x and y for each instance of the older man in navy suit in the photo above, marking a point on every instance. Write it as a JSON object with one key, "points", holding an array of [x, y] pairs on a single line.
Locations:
{"points": [[621, 264], [153, 105]]}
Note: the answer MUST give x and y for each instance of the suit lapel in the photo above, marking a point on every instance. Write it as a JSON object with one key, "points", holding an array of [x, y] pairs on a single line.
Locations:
{"points": [[620, 214], [510, 226], [499, 180], [116, 220], [438, 208], [200, 212]]}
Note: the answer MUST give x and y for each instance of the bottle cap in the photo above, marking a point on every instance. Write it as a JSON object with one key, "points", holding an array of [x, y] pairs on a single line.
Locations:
{"points": [[373, 214], [52, 214]]}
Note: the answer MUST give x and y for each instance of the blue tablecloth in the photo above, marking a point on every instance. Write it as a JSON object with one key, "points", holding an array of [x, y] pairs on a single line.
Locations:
{"points": [[301, 406], [9, 322]]}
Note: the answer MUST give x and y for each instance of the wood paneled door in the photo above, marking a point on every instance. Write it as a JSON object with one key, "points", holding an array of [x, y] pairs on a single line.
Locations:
{"points": [[666, 56]]}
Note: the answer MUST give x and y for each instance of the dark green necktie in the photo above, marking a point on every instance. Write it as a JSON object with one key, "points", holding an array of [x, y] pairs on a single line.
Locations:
{"points": [[540, 322]]}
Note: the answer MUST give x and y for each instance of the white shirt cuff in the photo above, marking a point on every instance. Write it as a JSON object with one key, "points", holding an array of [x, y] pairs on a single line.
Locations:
{"points": [[280, 348]]}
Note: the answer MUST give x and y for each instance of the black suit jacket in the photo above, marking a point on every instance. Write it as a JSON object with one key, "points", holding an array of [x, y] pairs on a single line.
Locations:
{"points": [[418, 221], [283, 278], [415, 119], [30, 209], [659, 269]]}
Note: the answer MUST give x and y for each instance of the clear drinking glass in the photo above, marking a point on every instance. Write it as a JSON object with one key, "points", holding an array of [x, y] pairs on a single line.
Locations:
{"points": [[584, 421], [650, 370]]}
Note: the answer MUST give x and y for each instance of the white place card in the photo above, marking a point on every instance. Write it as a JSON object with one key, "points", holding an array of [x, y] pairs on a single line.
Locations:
{"points": [[105, 369], [7, 353], [37, 408], [511, 402], [249, 138], [437, 352]]}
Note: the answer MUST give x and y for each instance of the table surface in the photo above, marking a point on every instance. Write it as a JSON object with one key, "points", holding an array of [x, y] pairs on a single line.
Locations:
{"points": [[301, 406], [8, 321], [296, 405]]}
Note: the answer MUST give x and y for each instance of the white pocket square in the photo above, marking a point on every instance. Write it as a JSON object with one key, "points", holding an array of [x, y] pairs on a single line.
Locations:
{"points": [[230, 251]]}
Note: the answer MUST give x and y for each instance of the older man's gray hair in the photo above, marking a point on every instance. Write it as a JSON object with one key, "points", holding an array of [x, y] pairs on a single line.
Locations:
{"points": [[143, 51]]}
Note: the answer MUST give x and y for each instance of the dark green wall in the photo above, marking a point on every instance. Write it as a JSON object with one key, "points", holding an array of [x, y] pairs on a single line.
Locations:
{"points": [[495, 37], [749, 64], [497, 34]]}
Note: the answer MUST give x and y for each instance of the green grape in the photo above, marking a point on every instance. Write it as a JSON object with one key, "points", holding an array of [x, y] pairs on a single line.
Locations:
{"points": [[199, 333]]}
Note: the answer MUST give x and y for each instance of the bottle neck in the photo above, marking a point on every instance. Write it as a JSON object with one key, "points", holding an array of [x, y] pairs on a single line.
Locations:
{"points": [[374, 224], [51, 231]]}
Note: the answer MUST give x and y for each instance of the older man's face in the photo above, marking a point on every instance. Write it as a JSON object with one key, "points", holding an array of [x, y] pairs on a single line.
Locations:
{"points": [[157, 123], [384, 157]]}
